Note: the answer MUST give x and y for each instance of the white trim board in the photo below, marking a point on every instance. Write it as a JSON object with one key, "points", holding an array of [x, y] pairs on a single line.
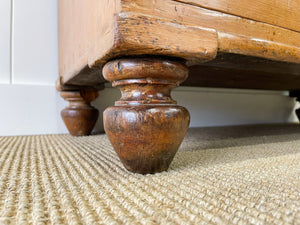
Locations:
{"points": [[35, 109], [30, 109]]}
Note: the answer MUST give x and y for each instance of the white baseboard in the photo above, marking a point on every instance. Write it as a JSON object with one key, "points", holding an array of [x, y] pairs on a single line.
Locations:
{"points": [[30, 109], [35, 109]]}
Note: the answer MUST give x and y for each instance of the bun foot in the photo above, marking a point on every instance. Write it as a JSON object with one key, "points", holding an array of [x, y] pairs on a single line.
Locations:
{"points": [[79, 117], [146, 138], [145, 126]]}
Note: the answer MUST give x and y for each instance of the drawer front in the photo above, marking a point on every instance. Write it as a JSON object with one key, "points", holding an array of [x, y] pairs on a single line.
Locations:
{"points": [[282, 13]]}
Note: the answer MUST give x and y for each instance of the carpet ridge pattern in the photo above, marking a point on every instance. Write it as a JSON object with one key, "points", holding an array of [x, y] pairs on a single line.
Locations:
{"points": [[217, 177]]}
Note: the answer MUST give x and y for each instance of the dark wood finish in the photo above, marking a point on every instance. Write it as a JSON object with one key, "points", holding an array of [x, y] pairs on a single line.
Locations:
{"points": [[145, 126], [80, 117]]}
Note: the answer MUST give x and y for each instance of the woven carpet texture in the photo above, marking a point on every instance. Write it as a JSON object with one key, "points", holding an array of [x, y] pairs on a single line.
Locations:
{"points": [[222, 175]]}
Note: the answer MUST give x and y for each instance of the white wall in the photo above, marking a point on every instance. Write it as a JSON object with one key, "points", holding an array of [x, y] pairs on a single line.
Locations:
{"points": [[29, 68], [5, 38], [34, 42]]}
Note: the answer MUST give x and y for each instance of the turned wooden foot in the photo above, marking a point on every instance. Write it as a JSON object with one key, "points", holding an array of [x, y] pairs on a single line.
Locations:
{"points": [[145, 126], [296, 93], [80, 117]]}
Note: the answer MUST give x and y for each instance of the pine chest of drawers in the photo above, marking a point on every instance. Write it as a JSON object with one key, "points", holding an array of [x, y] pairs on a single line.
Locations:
{"points": [[147, 47]]}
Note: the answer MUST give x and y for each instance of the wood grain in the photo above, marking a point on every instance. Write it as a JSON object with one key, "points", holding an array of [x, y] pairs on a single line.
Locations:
{"points": [[79, 117], [191, 15], [242, 45], [84, 27], [255, 38], [280, 13], [162, 27], [139, 35], [145, 126]]}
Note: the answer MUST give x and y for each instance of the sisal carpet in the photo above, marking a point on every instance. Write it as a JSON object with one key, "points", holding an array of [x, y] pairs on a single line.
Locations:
{"points": [[224, 175]]}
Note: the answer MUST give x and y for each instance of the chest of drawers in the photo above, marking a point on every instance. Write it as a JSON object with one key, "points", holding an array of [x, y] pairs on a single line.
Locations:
{"points": [[147, 47]]}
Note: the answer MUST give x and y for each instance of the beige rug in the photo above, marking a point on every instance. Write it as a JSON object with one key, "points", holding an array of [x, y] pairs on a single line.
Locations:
{"points": [[230, 175]]}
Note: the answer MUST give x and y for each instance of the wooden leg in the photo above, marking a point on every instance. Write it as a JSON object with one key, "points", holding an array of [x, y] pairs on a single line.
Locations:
{"points": [[296, 93], [145, 126], [80, 117]]}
